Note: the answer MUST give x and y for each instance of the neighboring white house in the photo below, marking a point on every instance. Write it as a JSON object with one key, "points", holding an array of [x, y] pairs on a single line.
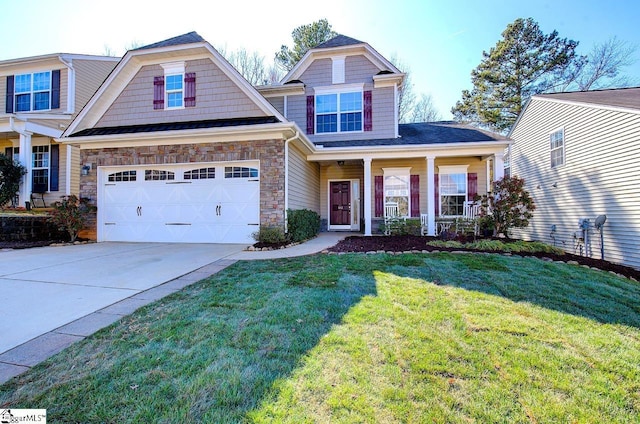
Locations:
{"points": [[579, 154]]}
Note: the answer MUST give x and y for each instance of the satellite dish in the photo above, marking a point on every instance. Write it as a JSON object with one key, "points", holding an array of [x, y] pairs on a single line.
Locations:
{"points": [[600, 220]]}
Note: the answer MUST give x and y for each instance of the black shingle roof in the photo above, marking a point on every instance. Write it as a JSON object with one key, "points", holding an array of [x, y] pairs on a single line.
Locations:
{"points": [[338, 41], [174, 126], [188, 38], [425, 133]]}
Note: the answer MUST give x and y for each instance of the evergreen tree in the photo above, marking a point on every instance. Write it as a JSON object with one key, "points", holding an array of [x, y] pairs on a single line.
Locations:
{"points": [[305, 37], [523, 63]]}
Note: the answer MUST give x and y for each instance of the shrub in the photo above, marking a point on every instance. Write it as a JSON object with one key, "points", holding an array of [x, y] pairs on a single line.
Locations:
{"points": [[510, 205], [302, 224], [270, 235], [11, 173], [69, 214]]}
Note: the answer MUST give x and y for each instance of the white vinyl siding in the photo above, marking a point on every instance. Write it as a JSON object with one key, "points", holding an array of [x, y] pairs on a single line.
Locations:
{"points": [[601, 177]]}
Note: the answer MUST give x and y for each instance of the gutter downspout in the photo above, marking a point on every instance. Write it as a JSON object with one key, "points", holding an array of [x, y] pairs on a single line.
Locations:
{"points": [[71, 84], [286, 178]]}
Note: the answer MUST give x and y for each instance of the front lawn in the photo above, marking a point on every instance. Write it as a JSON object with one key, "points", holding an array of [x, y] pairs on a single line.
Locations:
{"points": [[437, 337]]}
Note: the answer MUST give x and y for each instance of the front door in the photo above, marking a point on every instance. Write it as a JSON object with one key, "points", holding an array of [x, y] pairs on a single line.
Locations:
{"points": [[340, 203]]}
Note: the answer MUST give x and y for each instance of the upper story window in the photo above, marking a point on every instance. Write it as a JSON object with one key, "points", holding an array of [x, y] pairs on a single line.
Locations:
{"points": [[339, 112], [32, 92], [176, 89], [557, 148]]}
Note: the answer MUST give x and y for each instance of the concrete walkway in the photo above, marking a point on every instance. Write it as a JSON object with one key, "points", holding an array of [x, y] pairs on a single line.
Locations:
{"points": [[55, 296]]}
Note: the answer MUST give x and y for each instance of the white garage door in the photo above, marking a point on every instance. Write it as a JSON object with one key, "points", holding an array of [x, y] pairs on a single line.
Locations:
{"points": [[188, 203]]}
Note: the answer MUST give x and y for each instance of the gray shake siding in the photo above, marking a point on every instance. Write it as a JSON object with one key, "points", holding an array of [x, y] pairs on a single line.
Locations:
{"points": [[217, 97], [601, 175], [358, 69]]}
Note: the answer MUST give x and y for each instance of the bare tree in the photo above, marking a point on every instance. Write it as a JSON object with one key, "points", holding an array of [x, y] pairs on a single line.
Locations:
{"points": [[406, 95], [251, 65], [425, 110], [604, 65]]}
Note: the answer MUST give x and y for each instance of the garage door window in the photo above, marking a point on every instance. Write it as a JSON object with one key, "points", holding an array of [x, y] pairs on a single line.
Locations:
{"points": [[240, 172], [122, 176], [200, 174], [157, 175]]}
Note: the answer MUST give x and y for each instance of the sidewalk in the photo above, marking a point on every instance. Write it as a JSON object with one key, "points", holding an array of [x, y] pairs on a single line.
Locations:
{"points": [[318, 244]]}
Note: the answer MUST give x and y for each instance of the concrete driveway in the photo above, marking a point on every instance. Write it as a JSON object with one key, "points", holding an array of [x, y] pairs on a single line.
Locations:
{"points": [[53, 296]]}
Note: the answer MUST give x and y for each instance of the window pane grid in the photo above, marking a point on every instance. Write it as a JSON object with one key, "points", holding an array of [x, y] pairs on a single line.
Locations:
{"points": [[557, 148], [158, 175], [40, 156], [349, 118], [453, 194], [123, 176], [173, 88], [240, 172], [32, 91], [200, 174]]}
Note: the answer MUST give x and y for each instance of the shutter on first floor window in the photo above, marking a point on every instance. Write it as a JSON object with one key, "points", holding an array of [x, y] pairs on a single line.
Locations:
{"points": [[158, 92], [368, 111], [55, 89], [9, 101], [378, 184], [414, 188], [472, 186], [54, 170], [190, 89], [310, 114], [436, 190]]}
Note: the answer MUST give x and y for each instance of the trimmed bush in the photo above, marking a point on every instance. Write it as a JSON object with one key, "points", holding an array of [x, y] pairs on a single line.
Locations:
{"points": [[303, 224], [270, 235], [69, 214]]}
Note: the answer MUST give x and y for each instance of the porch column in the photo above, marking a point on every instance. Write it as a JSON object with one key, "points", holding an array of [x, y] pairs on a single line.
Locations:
{"points": [[498, 166], [25, 159], [367, 196], [431, 192]]}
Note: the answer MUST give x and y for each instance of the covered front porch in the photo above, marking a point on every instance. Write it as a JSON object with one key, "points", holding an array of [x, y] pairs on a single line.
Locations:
{"points": [[355, 189]]}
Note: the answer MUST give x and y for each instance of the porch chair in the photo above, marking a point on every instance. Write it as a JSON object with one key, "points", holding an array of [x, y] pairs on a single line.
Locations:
{"points": [[424, 224], [471, 210], [391, 216], [38, 196]]}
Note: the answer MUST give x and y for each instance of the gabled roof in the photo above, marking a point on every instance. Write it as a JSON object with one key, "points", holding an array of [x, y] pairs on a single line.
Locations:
{"points": [[188, 38], [342, 45], [188, 46], [338, 41], [617, 97], [434, 133]]}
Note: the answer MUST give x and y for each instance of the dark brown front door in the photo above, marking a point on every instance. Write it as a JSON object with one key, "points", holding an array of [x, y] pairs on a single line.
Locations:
{"points": [[340, 203]]}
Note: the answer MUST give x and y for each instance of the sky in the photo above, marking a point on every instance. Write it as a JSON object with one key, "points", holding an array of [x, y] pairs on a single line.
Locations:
{"points": [[440, 42]]}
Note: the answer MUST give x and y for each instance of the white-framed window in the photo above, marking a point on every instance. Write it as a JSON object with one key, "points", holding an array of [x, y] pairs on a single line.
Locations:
{"points": [[556, 146], [173, 85], [240, 172], [123, 176], [32, 91], [40, 168], [339, 111], [397, 189], [452, 189]]}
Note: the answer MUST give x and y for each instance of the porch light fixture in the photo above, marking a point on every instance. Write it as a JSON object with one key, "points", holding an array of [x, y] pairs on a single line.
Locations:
{"points": [[86, 169], [340, 162]]}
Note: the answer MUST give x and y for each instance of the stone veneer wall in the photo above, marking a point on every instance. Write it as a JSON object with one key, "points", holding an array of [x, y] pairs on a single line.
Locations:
{"points": [[270, 153]]}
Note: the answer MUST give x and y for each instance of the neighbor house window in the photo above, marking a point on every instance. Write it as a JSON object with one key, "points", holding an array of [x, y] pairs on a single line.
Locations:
{"points": [[397, 189], [40, 169], [557, 148], [32, 92], [339, 112], [452, 189]]}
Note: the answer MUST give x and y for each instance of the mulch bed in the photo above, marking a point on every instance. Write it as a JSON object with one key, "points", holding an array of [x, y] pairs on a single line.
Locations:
{"points": [[419, 243]]}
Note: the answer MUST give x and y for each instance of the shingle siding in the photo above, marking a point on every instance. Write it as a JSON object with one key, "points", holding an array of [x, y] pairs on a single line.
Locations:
{"points": [[217, 97], [358, 69], [600, 176]]}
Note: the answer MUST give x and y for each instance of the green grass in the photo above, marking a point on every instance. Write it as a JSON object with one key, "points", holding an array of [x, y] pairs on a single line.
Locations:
{"points": [[361, 338]]}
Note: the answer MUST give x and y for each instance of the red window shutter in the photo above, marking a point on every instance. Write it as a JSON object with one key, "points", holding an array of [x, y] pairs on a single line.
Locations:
{"points": [[379, 195], [310, 114], [368, 112], [190, 89], [158, 92], [414, 188], [436, 187], [472, 186], [9, 96]]}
